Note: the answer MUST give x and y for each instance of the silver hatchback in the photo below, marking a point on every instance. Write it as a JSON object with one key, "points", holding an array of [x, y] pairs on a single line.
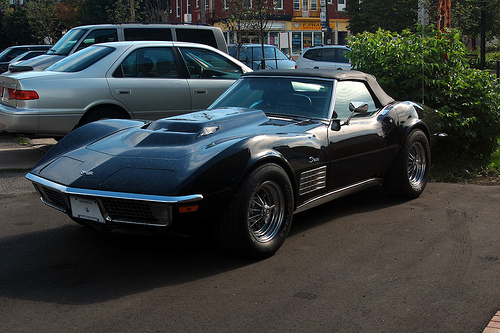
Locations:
{"points": [[143, 80]]}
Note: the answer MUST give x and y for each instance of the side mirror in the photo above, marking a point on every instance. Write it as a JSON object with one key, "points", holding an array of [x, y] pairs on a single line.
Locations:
{"points": [[356, 107]]}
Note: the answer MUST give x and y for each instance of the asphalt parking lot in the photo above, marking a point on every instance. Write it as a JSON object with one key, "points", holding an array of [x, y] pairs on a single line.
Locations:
{"points": [[364, 263]]}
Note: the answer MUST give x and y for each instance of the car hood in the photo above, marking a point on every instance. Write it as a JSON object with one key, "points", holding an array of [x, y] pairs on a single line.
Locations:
{"points": [[162, 157], [36, 64]]}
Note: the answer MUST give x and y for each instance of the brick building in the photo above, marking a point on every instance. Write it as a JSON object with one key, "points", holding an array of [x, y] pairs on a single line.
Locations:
{"points": [[296, 24]]}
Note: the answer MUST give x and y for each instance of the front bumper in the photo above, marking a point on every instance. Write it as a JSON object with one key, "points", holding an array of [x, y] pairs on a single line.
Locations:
{"points": [[113, 208]]}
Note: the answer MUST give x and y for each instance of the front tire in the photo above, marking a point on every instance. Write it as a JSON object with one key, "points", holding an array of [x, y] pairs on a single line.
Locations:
{"points": [[258, 218], [410, 173]]}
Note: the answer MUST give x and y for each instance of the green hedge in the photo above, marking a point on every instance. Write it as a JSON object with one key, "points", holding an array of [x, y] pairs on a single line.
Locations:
{"points": [[432, 67]]}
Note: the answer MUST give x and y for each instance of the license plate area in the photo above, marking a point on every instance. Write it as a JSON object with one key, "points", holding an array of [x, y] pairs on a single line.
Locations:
{"points": [[85, 208]]}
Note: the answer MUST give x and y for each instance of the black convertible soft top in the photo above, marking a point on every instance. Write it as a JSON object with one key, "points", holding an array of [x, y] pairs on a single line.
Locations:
{"points": [[340, 75]]}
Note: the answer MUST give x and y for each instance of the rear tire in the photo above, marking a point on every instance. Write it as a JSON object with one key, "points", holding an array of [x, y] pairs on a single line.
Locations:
{"points": [[258, 218], [99, 114], [410, 173]]}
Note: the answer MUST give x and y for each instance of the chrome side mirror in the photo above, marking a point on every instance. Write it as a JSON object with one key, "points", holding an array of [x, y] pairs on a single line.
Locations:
{"points": [[356, 107]]}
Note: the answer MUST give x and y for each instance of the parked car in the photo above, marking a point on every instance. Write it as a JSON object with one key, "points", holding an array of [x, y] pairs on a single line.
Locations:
{"points": [[251, 55], [81, 37], [276, 143], [324, 57], [25, 56], [14, 51], [145, 80]]}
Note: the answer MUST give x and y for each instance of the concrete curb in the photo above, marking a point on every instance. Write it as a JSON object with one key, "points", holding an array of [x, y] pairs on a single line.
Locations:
{"points": [[17, 156]]}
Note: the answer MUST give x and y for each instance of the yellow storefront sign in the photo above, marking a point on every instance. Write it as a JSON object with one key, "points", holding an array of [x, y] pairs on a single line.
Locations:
{"points": [[316, 26]]}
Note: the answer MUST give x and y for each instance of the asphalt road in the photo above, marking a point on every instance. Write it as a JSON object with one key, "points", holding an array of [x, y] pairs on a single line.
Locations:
{"points": [[365, 263]]}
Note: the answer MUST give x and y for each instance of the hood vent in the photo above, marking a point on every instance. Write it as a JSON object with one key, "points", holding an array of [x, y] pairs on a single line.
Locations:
{"points": [[205, 123]]}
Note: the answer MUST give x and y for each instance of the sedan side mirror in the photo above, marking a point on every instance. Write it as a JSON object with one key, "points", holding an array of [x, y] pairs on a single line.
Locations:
{"points": [[356, 107]]}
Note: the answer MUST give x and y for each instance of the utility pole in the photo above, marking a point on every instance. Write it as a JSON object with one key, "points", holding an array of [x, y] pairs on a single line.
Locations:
{"points": [[132, 11], [203, 11], [483, 35], [325, 22]]}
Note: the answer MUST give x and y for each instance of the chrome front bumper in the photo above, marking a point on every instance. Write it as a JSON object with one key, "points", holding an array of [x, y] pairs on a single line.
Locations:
{"points": [[114, 207]]}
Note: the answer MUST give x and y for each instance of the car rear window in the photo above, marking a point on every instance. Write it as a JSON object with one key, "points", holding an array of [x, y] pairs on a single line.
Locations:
{"points": [[82, 59]]}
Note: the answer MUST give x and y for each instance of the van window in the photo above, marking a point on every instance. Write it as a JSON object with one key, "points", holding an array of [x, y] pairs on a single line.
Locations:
{"points": [[202, 36], [99, 36], [147, 34]]}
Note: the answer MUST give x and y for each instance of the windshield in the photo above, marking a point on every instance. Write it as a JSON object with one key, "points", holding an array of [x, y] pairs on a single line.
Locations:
{"points": [[270, 52], [82, 59], [310, 98], [66, 43]]}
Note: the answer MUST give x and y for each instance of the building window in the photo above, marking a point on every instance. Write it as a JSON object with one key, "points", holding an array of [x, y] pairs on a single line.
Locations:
{"points": [[278, 4], [305, 5], [198, 3], [314, 5], [341, 5], [178, 8], [296, 4], [188, 6]]}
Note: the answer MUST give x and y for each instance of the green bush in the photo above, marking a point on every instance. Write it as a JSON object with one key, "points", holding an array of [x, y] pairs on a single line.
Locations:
{"points": [[432, 67]]}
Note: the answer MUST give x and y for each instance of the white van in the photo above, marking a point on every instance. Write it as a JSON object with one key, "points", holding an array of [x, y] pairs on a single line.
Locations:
{"points": [[80, 37]]}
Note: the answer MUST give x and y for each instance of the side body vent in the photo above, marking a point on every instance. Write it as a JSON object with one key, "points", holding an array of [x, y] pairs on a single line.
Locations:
{"points": [[312, 180]]}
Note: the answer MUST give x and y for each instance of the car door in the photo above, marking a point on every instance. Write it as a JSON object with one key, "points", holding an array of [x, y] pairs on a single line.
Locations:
{"points": [[210, 74], [341, 61], [367, 145], [149, 83]]}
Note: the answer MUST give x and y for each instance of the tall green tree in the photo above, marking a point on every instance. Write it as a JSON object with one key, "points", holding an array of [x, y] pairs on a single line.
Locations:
{"points": [[43, 21]]}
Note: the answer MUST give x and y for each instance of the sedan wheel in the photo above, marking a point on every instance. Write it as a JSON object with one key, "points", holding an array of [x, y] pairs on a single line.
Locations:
{"points": [[257, 220], [410, 172]]}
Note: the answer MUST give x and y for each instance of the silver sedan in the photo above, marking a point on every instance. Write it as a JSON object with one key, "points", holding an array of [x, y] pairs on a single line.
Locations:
{"points": [[143, 80]]}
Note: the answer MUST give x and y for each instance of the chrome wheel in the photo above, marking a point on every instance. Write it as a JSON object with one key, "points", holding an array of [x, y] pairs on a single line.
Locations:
{"points": [[266, 212], [417, 163]]}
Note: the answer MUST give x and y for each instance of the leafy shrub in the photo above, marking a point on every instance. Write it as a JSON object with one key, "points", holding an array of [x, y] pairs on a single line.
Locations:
{"points": [[432, 67]]}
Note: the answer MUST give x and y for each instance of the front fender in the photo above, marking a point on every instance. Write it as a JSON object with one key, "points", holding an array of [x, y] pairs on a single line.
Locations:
{"points": [[85, 135]]}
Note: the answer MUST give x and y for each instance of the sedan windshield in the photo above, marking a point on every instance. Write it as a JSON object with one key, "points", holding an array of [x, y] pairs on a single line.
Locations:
{"points": [[82, 59], [310, 98]]}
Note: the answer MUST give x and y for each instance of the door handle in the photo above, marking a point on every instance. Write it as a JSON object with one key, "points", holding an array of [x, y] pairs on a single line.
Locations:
{"points": [[123, 91], [204, 91]]}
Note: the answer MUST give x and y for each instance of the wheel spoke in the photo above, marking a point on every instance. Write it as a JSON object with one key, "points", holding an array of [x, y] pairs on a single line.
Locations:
{"points": [[266, 211], [416, 164]]}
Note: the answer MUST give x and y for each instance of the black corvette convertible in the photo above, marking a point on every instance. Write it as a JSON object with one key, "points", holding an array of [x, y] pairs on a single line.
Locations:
{"points": [[276, 143]]}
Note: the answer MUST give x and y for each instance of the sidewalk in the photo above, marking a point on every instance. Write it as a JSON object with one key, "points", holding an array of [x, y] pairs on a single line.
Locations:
{"points": [[494, 325], [19, 153]]}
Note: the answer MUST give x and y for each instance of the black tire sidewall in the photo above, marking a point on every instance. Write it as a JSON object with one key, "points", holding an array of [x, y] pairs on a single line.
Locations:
{"points": [[238, 210], [398, 183]]}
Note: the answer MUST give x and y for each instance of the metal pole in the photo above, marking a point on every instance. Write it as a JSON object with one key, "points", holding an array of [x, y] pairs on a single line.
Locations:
{"points": [[483, 35]]}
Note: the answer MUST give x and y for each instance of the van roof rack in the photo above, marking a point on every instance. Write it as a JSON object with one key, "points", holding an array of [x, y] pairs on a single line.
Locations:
{"points": [[160, 22]]}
